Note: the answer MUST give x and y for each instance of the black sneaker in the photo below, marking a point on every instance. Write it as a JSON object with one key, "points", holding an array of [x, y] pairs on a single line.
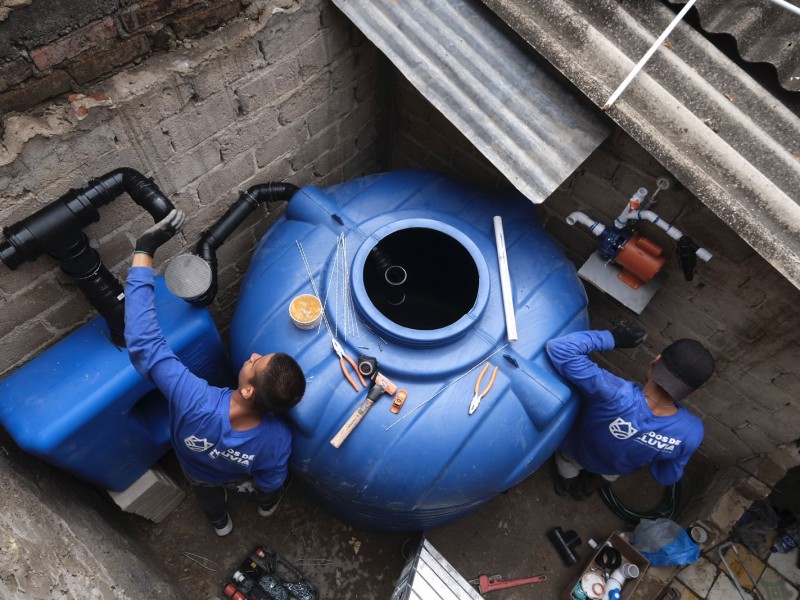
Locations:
{"points": [[267, 510], [223, 526]]}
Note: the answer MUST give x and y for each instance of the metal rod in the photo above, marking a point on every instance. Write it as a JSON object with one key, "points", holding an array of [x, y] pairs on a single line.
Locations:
{"points": [[730, 572], [459, 378], [648, 54]]}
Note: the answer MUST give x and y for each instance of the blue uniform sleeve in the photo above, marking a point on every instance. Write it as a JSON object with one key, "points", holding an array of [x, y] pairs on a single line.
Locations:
{"points": [[148, 350], [570, 357]]}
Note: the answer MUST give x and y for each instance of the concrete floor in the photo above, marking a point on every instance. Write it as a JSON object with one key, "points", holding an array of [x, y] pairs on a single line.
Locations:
{"points": [[507, 536]]}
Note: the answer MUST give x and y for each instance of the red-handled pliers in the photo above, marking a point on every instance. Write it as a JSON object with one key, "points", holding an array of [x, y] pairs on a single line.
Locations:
{"points": [[337, 347]]}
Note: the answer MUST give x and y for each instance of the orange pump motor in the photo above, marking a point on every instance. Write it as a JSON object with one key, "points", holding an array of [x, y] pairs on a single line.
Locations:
{"points": [[641, 260]]}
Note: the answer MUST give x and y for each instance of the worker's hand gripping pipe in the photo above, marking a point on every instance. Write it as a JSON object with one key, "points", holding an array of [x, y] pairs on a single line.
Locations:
{"points": [[56, 230]]}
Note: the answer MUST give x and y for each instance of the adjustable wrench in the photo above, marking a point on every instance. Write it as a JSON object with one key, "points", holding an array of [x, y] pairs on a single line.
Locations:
{"points": [[490, 583]]}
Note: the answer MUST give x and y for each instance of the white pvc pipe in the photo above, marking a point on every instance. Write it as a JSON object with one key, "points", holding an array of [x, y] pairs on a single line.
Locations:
{"points": [[787, 6], [673, 232], [596, 227], [505, 280], [648, 54]]}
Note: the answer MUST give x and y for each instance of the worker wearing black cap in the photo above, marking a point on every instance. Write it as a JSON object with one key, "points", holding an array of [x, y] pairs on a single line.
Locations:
{"points": [[621, 426]]}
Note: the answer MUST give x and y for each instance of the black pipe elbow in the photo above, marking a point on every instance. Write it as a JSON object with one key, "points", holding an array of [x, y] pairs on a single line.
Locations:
{"points": [[57, 230], [212, 239]]}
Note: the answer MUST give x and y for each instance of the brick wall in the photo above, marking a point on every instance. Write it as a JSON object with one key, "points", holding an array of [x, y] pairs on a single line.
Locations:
{"points": [[51, 47], [737, 304], [285, 91]]}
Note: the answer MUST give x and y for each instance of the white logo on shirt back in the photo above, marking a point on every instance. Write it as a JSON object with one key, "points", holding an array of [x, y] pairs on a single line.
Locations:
{"points": [[622, 430], [196, 444]]}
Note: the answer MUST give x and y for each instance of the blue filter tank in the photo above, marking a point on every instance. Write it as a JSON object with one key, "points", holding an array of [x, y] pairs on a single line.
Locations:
{"points": [[406, 265], [82, 407]]}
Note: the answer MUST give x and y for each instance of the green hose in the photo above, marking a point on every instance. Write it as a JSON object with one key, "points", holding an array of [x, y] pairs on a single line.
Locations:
{"points": [[664, 510]]}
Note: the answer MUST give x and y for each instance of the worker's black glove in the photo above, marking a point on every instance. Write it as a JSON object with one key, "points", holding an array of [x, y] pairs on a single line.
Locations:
{"points": [[160, 233], [628, 334]]}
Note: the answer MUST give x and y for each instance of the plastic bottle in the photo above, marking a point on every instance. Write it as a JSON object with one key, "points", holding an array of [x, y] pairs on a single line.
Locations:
{"points": [[787, 542]]}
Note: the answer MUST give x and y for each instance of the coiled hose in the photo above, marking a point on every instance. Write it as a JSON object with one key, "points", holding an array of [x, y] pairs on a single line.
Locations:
{"points": [[664, 510]]}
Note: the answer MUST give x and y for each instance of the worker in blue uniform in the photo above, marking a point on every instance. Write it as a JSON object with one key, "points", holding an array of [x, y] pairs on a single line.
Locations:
{"points": [[221, 437], [622, 426]]}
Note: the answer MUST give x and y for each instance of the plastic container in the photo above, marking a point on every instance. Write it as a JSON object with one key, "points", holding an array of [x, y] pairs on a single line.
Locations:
{"points": [[82, 407], [305, 311], [432, 462]]}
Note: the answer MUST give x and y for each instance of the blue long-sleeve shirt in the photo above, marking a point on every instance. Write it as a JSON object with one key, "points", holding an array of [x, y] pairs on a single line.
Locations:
{"points": [[207, 447], [616, 433]]}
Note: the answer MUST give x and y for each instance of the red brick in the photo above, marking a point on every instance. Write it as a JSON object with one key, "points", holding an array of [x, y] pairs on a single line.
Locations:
{"points": [[111, 55], [197, 20], [73, 44], [14, 72], [146, 12], [35, 91]]}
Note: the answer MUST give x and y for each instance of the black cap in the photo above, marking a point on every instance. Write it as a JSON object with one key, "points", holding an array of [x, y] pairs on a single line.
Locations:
{"points": [[684, 366]]}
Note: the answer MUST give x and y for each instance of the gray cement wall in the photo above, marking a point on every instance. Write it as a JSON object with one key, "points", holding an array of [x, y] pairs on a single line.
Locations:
{"points": [[285, 91], [737, 304]]}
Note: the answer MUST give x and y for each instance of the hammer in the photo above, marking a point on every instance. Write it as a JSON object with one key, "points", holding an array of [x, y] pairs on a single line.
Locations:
{"points": [[380, 385]]}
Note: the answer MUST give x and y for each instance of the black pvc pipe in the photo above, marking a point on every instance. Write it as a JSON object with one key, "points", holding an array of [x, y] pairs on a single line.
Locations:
{"points": [[56, 230], [212, 239]]}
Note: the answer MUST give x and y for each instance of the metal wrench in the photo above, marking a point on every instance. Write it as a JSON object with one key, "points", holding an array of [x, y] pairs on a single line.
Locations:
{"points": [[490, 583]]}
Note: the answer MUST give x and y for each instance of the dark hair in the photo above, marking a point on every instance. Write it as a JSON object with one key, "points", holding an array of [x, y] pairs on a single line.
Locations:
{"points": [[280, 385]]}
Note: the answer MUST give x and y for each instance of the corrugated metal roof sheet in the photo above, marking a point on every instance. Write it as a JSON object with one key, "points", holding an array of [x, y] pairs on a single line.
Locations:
{"points": [[722, 135], [764, 32], [475, 71]]}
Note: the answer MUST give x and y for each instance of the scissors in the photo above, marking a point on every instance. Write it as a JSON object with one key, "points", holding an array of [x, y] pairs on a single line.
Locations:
{"points": [[476, 399], [337, 347]]}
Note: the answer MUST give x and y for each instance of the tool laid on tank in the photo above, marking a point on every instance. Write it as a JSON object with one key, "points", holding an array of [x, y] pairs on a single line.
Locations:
{"points": [[490, 583], [380, 386], [337, 347], [398, 401], [478, 395]]}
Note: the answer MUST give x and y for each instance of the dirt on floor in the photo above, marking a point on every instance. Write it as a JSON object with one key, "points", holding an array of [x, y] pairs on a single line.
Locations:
{"points": [[507, 537]]}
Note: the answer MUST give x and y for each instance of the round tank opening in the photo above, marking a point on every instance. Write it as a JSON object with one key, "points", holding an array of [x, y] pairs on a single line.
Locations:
{"points": [[421, 278]]}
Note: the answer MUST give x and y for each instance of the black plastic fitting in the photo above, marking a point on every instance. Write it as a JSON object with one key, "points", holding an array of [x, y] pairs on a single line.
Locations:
{"points": [[565, 542], [212, 239], [56, 230], [686, 250]]}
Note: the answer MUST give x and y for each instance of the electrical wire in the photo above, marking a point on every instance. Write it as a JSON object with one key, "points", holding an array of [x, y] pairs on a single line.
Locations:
{"points": [[664, 510]]}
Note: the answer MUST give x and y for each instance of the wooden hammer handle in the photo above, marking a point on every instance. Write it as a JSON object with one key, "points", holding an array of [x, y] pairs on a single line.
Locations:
{"points": [[354, 420]]}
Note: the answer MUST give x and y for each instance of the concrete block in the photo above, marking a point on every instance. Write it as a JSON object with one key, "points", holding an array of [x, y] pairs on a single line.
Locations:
{"points": [[198, 122], [219, 183], [288, 30], [699, 576], [22, 344], [153, 496], [267, 86], [303, 99], [729, 509]]}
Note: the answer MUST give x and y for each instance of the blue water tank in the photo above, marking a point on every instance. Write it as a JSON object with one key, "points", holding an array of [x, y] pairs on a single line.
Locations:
{"points": [[81, 405], [432, 462]]}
